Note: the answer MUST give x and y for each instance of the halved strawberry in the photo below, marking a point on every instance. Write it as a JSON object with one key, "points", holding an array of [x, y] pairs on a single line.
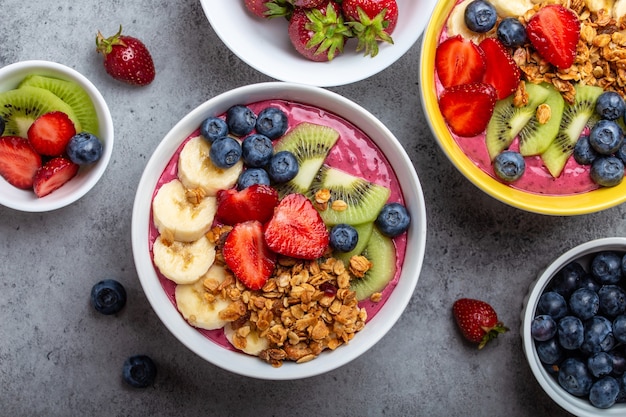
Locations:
{"points": [[255, 202], [51, 132], [18, 161], [248, 256], [459, 61], [554, 32], [501, 71], [296, 229], [467, 108], [53, 174]]}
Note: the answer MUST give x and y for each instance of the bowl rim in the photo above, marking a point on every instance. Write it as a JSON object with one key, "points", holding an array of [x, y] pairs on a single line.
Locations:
{"points": [[240, 363], [566, 205], [90, 174]]}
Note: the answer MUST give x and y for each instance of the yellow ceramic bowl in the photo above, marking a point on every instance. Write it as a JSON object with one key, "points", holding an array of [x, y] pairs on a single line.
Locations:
{"points": [[567, 205]]}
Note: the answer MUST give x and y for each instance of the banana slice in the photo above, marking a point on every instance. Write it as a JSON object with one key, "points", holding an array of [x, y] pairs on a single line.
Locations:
{"points": [[246, 339], [195, 169], [183, 262], [509, 8], [619, 9], [597, 5]]}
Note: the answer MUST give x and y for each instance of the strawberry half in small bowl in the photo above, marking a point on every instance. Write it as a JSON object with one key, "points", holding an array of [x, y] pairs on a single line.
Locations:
{"points": [[279, 258], [56, 139]]}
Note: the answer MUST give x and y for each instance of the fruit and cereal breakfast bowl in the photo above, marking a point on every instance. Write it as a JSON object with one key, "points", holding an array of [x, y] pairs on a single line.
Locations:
{"points": [[279, 230], [574, 328], [56, 139], [526, 100]]}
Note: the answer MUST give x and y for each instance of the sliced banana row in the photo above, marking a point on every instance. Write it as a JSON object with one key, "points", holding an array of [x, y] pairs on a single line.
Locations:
{"points": [[183, 262]]}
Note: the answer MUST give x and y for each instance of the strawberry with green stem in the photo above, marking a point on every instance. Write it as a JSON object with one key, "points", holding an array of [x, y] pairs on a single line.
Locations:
{"points": [[268, 9], [477, 320], [126, 58], [372, 21]]}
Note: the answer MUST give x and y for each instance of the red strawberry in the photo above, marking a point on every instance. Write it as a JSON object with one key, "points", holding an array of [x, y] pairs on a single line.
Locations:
{"points": [[270, 8], [467, 108], [126, 58], [372, 21], [501, 71], [477, 320], [307, 4], [18, 161], [296, 229], [459, 61], [554, 32], [50, 133], [318, 34], [247, 255], [53, 174], [255, 202]]}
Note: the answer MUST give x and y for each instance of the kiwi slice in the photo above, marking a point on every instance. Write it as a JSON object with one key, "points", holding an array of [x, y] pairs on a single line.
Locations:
{"points": [[381, 252], [507, 120], [535, 137], [363, 199], [71, 93], [310, 143], [575, 118], [20, 107], [364, 231]]}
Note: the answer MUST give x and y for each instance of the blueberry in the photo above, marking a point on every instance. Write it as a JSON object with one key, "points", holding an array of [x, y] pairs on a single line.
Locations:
{"points": [[584, 303], [108, 296], [606, 137], [509, 166], [139, 371], [600, 364], [610, 105], [542, 328], [257, 150], [480, 16], [621, 153], [550, 351], [252, 176], [607, 171], [584, 153], [240, 119], [589, 282], [393, 220], [621, 397], [598, 336], [574, 377], [624, 265], [603, 392], [272, 122], [612, 300], [606, 268], [568, 278], [213, 128], [283, 167], [511, 32], [619, 362], [570, 332], [84, 148], [619, 328], [343, 237], [553, 304], [225, 152]]}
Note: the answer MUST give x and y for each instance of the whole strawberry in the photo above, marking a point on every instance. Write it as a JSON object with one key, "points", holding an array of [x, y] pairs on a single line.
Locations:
{"points": [[372, 21], [126, 58], [477, 320], [269, 8]]}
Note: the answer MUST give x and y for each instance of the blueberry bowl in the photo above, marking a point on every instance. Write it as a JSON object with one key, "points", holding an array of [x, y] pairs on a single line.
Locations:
{"points": [[574, 328]]}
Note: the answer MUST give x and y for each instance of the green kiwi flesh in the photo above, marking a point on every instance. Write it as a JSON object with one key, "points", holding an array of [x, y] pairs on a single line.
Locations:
{"points": [[575, 118], [535, 137], [71, 93], [364, 199], [381, 252], [20, 107], [310, 143], [364, 231], [507, 120]]}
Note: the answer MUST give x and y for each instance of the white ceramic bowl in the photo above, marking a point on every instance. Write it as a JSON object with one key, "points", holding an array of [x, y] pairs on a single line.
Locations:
{"points": [[583, 254], [88, 176], [375, 329], [265, 46]]}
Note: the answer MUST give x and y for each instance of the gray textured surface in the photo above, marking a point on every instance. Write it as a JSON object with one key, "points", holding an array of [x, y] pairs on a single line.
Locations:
{"points": [[58, 357]]}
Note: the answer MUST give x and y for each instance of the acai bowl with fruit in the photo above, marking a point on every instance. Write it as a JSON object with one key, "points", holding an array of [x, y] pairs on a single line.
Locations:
{"points": [[279, 230], [526, 100]]}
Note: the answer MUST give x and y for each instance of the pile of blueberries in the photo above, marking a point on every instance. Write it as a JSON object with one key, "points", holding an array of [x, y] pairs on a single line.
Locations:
{"points": [[579, 328]]}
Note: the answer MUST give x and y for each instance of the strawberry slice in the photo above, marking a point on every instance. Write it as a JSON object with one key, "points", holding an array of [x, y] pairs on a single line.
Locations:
{"points": [[255, 202], [459, 61], [296, 229], [554, 32], [18, 161], [247, 255], [53, 174], [501, 71], [467, 108], [51, 132]]}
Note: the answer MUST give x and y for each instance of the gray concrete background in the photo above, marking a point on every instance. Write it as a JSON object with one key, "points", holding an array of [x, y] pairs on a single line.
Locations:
{"points": [[58, 357]]}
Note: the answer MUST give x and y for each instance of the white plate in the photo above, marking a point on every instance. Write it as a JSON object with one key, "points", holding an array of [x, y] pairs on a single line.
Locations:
{"points": [[265, 46]]}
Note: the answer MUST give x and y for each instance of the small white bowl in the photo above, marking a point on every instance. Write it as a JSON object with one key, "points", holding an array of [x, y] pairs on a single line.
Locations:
{"points": [[265, 46], [26, 200], [385, 318], [583, 254]]}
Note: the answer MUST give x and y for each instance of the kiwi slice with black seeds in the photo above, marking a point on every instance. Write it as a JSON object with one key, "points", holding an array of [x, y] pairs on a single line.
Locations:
{"points": [[71, 93], [364, 231], [381, 252], [535, 137]]}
